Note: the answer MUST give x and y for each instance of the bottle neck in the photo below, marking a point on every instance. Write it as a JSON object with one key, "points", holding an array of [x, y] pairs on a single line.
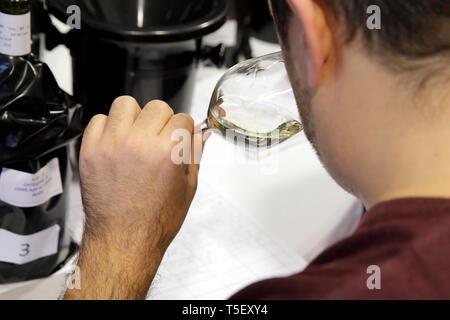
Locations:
{"points": [[15, 34]]}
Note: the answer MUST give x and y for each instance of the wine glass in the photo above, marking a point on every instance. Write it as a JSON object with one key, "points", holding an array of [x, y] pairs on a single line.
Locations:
{"points": [[253, 104]]}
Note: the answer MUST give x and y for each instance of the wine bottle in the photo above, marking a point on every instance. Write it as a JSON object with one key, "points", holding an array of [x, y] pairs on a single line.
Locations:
{"points": [[15, 27], [38, 121]]}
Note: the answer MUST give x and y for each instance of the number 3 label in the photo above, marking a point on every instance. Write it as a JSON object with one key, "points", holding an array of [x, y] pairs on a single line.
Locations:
{"points": [[25, 249], [19, 249]]}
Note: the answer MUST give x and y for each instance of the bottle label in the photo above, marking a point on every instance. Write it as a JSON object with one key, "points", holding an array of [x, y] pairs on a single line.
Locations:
{"points": [[25, 190], [15, 34], [19, 249]]}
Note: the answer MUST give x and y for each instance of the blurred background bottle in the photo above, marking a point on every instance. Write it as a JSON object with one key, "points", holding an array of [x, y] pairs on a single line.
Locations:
{"points": [[15, 27]]}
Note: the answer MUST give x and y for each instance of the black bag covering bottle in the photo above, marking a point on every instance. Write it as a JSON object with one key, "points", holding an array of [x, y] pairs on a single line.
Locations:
{"points": [[37, 122]]}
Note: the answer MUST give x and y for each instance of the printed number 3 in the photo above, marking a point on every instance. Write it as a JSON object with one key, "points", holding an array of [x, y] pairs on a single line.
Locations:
{"points": [[25, 249]]}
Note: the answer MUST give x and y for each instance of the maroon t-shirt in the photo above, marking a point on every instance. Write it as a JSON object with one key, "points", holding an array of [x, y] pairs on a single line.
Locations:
{"points": [[408, 239]]}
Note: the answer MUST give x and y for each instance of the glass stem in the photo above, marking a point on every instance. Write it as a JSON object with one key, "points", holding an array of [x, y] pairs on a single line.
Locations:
{"points": [[202, 127]]}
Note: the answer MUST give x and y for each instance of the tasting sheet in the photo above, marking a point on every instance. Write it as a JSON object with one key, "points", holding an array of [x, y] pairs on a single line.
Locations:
{"points": [[219, 250]]}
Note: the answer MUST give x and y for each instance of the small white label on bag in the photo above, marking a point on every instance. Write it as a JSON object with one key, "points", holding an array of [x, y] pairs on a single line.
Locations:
{"points": [[15, 34], [18, 249], [25, 190]]}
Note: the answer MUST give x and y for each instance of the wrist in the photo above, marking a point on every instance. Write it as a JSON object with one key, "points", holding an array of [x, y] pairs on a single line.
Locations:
{"points": [[125, 237], [112, 268]]}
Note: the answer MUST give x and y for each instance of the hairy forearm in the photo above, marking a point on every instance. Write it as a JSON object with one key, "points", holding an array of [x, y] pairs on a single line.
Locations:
{"points": [[114, 270]]}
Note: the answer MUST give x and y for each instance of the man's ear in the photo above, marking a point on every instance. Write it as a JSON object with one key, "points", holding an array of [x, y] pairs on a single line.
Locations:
{"points": [[318, 35]]}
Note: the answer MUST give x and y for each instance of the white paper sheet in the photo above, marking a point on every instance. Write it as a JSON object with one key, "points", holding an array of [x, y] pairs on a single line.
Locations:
{"points": [[219, 250]]}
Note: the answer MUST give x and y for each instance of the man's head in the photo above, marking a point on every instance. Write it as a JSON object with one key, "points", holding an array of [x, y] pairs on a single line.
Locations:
{"points": [[375, 102]]}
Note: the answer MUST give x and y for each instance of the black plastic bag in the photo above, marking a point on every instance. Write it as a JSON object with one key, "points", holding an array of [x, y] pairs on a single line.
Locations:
{"points": [[37, 122]]}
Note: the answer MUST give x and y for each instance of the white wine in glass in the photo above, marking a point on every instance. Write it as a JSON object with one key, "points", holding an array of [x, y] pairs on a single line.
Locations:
{"points": [[253, 103]]}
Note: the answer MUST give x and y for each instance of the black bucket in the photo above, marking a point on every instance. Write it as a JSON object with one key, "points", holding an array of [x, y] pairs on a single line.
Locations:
{"points": [[149, 49]]}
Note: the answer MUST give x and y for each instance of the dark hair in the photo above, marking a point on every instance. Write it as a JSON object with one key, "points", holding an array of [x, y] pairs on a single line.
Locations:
{"points": [[410, 29]]}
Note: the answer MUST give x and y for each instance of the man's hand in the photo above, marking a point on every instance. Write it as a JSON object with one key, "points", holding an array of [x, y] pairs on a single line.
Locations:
{"points": [[135, 197]]}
